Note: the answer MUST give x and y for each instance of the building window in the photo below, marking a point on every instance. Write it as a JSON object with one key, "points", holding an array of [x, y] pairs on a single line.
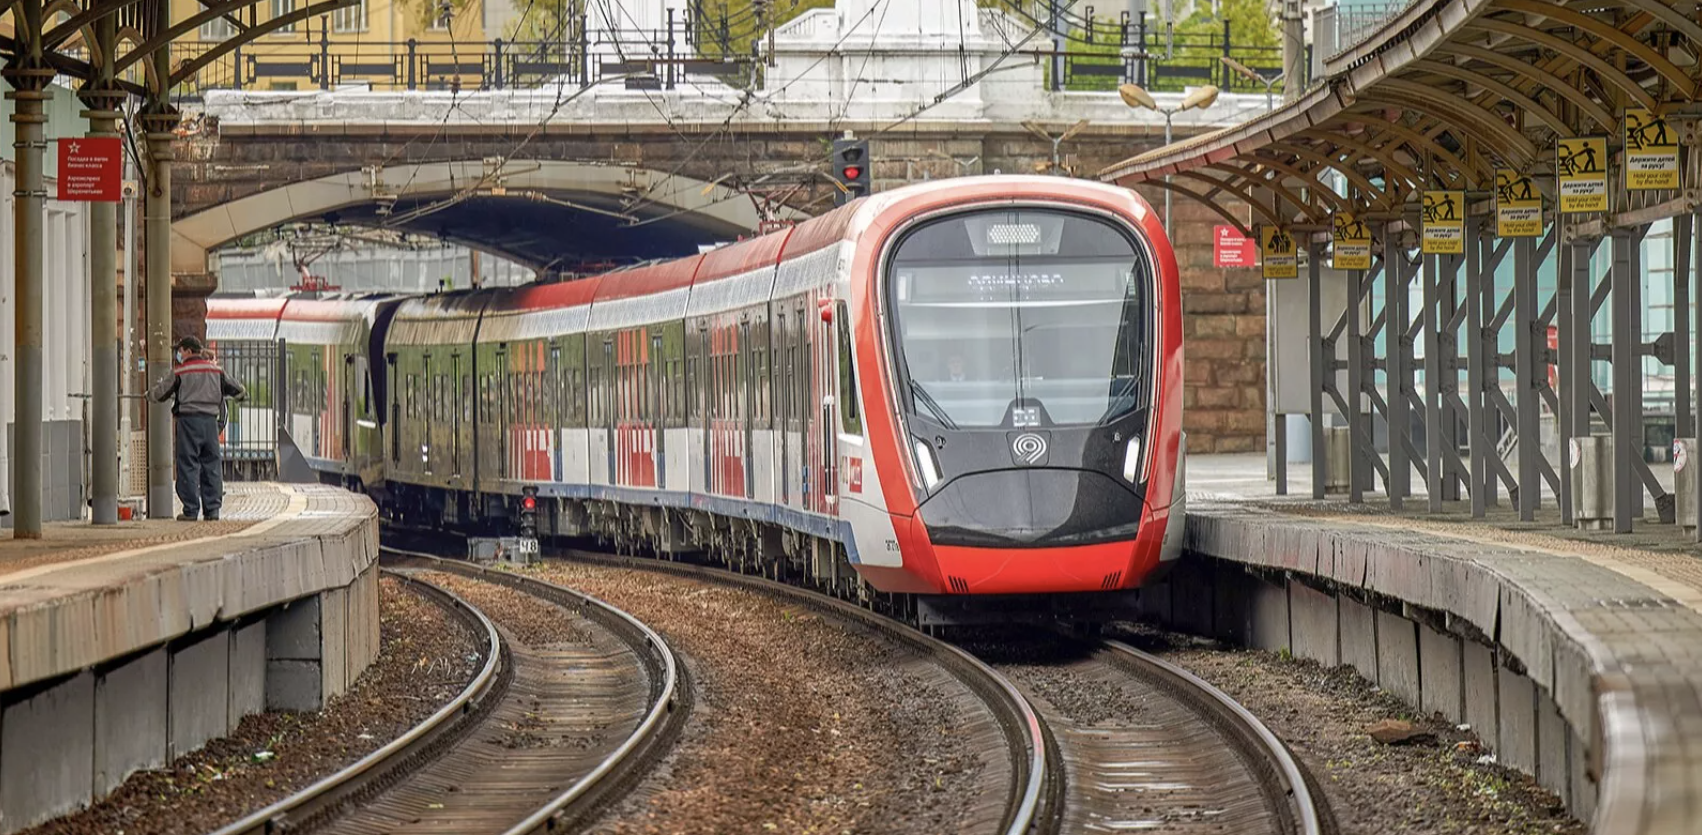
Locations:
{"points": [[217, 29], [281, 8], [350, 18]]}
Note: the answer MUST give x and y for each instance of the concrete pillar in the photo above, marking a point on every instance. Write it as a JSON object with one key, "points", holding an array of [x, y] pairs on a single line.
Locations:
{"points": [[199, 690], [104, 100], [29, 75], [158, 119], [294, 656], [46, 753], [130, 720]]}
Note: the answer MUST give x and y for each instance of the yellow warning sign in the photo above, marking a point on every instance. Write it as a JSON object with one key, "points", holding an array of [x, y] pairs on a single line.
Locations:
{"points": [[1276, 253], [1444, 223], [1651, 152], [1582, 164], [1351, 240], [1518, 205]]}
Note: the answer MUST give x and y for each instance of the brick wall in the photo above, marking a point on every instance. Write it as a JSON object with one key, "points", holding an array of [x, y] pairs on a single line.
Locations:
{"points": [[1223, 340]]}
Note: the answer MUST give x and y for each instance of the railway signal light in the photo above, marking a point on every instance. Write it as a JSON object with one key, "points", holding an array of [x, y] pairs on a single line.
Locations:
{"points": [[850, 163], [529, 513]]}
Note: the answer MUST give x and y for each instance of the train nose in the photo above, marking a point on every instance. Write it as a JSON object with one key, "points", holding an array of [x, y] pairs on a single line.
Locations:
{"points": [[1032, 507]]}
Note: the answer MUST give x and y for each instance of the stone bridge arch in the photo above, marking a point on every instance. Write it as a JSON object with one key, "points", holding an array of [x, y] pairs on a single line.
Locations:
{"points": [[541, 213]]}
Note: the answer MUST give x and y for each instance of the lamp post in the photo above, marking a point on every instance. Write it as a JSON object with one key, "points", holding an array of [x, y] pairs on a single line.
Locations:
{"points": [[1135, 96], [1251, 75]]}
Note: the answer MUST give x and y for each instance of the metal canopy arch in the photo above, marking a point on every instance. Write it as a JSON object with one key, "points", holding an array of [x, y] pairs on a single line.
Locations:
{"points": [[1442, 97]]}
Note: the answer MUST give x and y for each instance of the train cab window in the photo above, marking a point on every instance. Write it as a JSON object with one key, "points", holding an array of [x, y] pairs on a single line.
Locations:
{"points": [[1012, 318], [850, 419]]}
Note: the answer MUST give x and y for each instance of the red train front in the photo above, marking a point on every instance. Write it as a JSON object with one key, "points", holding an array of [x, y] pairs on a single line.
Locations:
{"points": [[1025, 338], [966, 387]]}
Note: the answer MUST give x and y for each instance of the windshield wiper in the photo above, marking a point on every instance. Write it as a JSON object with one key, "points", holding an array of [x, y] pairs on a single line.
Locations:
{"points": [[922, 396]]}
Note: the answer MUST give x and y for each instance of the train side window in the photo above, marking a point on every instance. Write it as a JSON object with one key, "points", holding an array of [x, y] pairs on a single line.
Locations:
{"points": [[849, 417]]}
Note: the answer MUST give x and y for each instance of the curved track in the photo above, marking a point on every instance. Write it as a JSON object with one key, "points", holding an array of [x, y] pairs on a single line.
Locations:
{"points": [[1021, 732], [483, 763], [1145, 745]]}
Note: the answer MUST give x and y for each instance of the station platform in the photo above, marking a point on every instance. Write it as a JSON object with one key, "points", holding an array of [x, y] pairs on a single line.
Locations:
{"points": [[125, 646], [1575, 655]]}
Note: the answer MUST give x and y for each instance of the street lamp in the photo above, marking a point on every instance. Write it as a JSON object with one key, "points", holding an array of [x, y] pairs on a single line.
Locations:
{"points": [[1251, 75], [1135, 96], [1067, 135]]}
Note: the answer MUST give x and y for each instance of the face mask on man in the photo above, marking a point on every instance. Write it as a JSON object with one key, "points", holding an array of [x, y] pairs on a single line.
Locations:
{"points": [[178, 355]]}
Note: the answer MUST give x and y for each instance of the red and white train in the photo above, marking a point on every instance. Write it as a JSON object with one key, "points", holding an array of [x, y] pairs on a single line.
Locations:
{"points": [[963, 387]]}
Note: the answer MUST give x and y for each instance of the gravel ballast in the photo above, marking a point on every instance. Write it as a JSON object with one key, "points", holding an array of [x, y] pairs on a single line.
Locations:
{"points": [[426, 656], [1442, 783], [801, 723]]}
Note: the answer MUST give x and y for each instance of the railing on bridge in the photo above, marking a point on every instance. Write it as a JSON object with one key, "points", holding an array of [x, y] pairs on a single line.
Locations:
{"points": [[1098, 53]]}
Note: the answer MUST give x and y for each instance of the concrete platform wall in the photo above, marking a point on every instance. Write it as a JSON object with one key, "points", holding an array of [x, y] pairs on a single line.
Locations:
{"points": [[1568, 669], [74, 722]]}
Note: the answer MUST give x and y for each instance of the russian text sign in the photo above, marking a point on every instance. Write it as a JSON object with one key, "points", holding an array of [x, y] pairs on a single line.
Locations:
{"points": [[1582, 164], [1230, 248], [1518, 205], [1351, 243], [1276, 253], [1444, 223], [91, 169], [1651, 152]]}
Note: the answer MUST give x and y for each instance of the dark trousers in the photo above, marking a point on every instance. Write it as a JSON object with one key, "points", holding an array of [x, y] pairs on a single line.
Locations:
{"points": [[198, 464]]}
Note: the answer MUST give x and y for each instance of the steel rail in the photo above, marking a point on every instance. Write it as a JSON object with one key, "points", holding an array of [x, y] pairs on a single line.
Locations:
{"points": [[544, 818], [1243, 727], [330, 792], [1022, 725]]}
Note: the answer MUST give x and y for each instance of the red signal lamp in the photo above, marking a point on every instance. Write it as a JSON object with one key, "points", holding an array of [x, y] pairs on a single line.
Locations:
{"points": [[529, 503], [852, 172]]}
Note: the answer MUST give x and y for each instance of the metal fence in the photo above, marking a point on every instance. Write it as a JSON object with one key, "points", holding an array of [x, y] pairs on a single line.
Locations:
{"points": [[1098, 53], [253, 426]]}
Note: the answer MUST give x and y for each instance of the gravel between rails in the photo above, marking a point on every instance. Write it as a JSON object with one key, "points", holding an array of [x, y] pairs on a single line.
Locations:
{"points": [[801, 723], [1134, 756], [1321, 714], [426, 656]]}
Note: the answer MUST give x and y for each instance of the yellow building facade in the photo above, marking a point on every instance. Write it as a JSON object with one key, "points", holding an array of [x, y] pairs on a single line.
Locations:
{"points": [[381, 44]]}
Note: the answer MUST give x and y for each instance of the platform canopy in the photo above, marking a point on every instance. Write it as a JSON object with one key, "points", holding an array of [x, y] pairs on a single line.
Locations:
{"points": [[1441, 95]]}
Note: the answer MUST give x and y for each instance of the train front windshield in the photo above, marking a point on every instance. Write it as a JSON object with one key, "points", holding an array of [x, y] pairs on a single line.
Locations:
{"points": [[1021, 317]]}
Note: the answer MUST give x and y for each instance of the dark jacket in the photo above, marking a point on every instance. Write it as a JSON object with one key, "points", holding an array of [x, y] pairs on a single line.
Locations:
{"points": [[200, 387]]}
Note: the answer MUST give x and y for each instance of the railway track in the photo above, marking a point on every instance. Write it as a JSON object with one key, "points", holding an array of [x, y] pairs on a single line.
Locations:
{"points": [[1021, 734], [1146, 745], [482, 762]]}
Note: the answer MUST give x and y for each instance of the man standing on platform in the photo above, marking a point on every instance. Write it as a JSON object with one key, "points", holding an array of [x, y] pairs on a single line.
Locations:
{"points": [[200, 387]]}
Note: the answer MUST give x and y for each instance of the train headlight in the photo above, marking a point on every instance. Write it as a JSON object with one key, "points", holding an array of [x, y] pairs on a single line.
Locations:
{"points": [[927, 464], [1132, 460]]}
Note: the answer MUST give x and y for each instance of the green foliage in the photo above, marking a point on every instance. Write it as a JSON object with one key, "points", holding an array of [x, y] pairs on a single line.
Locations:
{"points": [[543, 25]]}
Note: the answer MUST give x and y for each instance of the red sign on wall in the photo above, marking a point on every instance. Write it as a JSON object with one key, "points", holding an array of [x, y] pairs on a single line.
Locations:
{"points": [[1230, 248], [91, 169]]}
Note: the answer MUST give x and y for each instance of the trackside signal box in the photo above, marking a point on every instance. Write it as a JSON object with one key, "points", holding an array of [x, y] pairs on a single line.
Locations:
{"points": [[850, 169]]}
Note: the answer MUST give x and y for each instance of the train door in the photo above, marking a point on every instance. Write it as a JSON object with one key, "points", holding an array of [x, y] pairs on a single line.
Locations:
{"points": [[778, 338], [455, 415], [394, 391], [429, 445], [610, 388], [658, 408], [747, 403], [346, 419], [504, 422], [848, 428], [704, 390], [553, 378]]}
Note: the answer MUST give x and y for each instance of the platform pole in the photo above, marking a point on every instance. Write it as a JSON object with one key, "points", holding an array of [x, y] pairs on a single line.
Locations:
{"points": [[104, 101], [1320, 368], [1448, 362], [1527, 427], [1356, 457], [1397, 372], [1566, 300], [1433, 434], [1476, 431], [1684, 425], [1694, 262], [1626, 358], [158, 120], [29, 75]]}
